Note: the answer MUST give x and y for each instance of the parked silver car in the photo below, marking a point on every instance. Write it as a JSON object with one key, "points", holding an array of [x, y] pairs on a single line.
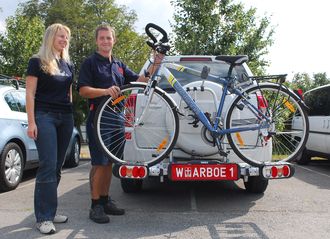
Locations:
{"points": [[318, 143], [17, 151]]}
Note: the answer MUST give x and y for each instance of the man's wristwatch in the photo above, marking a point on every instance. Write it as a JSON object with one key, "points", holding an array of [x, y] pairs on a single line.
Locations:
{"points": [[146, 74]]}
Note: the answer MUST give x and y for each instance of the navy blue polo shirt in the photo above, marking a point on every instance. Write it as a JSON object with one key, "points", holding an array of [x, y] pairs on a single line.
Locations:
{"points": [[53, 91], [98, 72]]}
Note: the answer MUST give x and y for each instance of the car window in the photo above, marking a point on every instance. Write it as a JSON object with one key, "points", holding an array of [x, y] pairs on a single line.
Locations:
{"points": [[318, 102], [16, 101], [11, 102], [216, 68], [19, 97]]}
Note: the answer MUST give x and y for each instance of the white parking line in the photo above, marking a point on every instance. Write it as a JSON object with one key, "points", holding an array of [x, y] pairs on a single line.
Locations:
{"points": [[311, 170]]}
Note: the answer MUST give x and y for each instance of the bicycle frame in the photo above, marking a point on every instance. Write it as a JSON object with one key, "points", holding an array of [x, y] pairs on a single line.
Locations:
{"points": [[226, 83]]}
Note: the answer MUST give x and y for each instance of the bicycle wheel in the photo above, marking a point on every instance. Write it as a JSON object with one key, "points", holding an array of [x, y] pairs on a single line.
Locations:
{"points": [[282, 139], [128, 140]]}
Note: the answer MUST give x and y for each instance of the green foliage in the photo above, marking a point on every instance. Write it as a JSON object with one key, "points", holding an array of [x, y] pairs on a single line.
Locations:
{"points": [[221, 28], [21, 40], [305, 82], [82, 17]]}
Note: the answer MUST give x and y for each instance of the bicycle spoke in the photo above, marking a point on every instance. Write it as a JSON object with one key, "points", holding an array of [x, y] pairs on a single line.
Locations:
{"points": [[278, 138], [127, 141]]}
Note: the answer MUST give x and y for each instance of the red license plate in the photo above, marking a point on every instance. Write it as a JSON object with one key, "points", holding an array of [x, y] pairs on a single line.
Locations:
{"points": [[182, 172]]}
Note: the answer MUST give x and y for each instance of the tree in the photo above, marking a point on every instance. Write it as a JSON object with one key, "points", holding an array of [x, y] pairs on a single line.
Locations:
{"points": [[305, 82], [221, 27], [320, 79], [82, 17], [301, 81], [21, 40]]}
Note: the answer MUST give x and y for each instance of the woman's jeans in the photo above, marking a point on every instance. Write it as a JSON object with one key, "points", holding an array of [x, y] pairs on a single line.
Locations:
{"points": [[54, 133]]}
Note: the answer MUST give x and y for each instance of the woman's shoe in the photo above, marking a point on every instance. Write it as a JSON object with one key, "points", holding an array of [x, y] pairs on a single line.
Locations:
{"points": [[46, 227]]}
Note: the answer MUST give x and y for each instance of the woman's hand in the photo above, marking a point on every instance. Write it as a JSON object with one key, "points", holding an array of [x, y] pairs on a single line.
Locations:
{"points": [[32, 131]]}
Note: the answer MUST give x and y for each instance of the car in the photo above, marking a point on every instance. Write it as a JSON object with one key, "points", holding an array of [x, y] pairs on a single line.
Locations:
{"points": [[318, 144], [17, 151], [190, 146]]}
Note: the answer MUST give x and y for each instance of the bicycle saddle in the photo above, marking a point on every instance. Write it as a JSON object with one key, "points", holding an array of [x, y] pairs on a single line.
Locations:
{"points": [[233, 60]]}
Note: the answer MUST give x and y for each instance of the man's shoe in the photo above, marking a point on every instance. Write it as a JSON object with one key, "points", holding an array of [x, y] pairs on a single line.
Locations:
{"points": [[60, 219], [111, 208], [97, 214], [46, 227]]}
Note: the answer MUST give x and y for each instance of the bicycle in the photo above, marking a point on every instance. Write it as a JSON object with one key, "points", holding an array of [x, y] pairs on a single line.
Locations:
{"points": [[269, 108]]}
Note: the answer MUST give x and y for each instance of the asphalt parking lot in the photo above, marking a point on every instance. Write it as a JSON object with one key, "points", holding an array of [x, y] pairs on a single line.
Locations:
{"points": [[295, 208]]}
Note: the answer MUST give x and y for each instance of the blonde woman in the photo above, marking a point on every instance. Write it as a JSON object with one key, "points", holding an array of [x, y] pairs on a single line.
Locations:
{"points": [[50, 119]]}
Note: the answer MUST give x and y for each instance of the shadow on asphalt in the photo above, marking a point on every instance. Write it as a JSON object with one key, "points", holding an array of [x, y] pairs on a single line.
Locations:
{"points": [[312, 172], [161, 210]]}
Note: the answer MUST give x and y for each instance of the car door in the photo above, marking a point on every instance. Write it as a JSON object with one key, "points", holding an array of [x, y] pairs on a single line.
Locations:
{"points": [[327, 120], [319, 122], [16, 101]]}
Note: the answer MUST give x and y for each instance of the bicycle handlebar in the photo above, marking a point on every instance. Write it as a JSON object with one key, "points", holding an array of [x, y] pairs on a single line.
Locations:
{"points": [[158, 45]]}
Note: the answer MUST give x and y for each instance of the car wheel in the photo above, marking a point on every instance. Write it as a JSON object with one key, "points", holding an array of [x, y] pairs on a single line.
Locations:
{"points": [[74, 157], [257, 184], [11, 168], [131, 185], [304, 158]]}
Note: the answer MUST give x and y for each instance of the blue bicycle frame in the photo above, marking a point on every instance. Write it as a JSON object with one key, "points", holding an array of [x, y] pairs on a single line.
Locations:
{"points": [[214, 129]]}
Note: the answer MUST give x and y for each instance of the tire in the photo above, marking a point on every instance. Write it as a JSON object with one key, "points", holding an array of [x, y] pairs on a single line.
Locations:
{"points": [[131, 185], [74, 157], [11, 168], [127, 143], [304, 158], [283, 140], [256, 184]]}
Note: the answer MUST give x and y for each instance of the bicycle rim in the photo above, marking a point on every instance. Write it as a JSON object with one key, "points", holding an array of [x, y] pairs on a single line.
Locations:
{"points": [[282, 139], [127, 142]]}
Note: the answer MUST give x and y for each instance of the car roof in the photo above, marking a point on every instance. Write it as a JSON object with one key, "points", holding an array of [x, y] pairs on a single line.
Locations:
{"points": [[4, 88], [317, 88], [11, 82], [197, 57]]}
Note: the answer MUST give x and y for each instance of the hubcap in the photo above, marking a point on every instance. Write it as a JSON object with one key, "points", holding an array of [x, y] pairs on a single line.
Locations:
{"points": [[13, 166], [76, 152]]}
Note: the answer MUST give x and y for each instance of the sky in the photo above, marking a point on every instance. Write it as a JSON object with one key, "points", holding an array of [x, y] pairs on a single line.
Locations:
{"points": [[301, 39]]}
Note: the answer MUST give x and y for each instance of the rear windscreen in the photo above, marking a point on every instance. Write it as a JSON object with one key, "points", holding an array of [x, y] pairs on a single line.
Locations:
{"points": [[216, 68]]}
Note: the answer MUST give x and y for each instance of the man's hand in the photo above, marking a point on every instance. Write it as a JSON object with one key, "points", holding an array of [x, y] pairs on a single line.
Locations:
{"points": [[158, 57], [113, 91]]}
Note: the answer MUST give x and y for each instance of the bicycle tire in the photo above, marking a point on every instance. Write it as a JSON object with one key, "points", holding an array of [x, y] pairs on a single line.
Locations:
{"points": [[127, 143], [280, 142]]}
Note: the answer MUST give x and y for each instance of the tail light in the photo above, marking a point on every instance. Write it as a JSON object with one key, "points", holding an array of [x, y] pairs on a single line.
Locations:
{"points": [[277, 171], [133, 172], [262, 102], [300, 93], [130, 106]]}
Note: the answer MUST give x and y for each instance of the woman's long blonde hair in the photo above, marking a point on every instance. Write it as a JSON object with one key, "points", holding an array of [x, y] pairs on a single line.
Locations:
{"points": [[47, 52]]}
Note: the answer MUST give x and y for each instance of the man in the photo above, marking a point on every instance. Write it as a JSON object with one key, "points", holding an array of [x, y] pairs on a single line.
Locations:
{"points": [[102, 75]]}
